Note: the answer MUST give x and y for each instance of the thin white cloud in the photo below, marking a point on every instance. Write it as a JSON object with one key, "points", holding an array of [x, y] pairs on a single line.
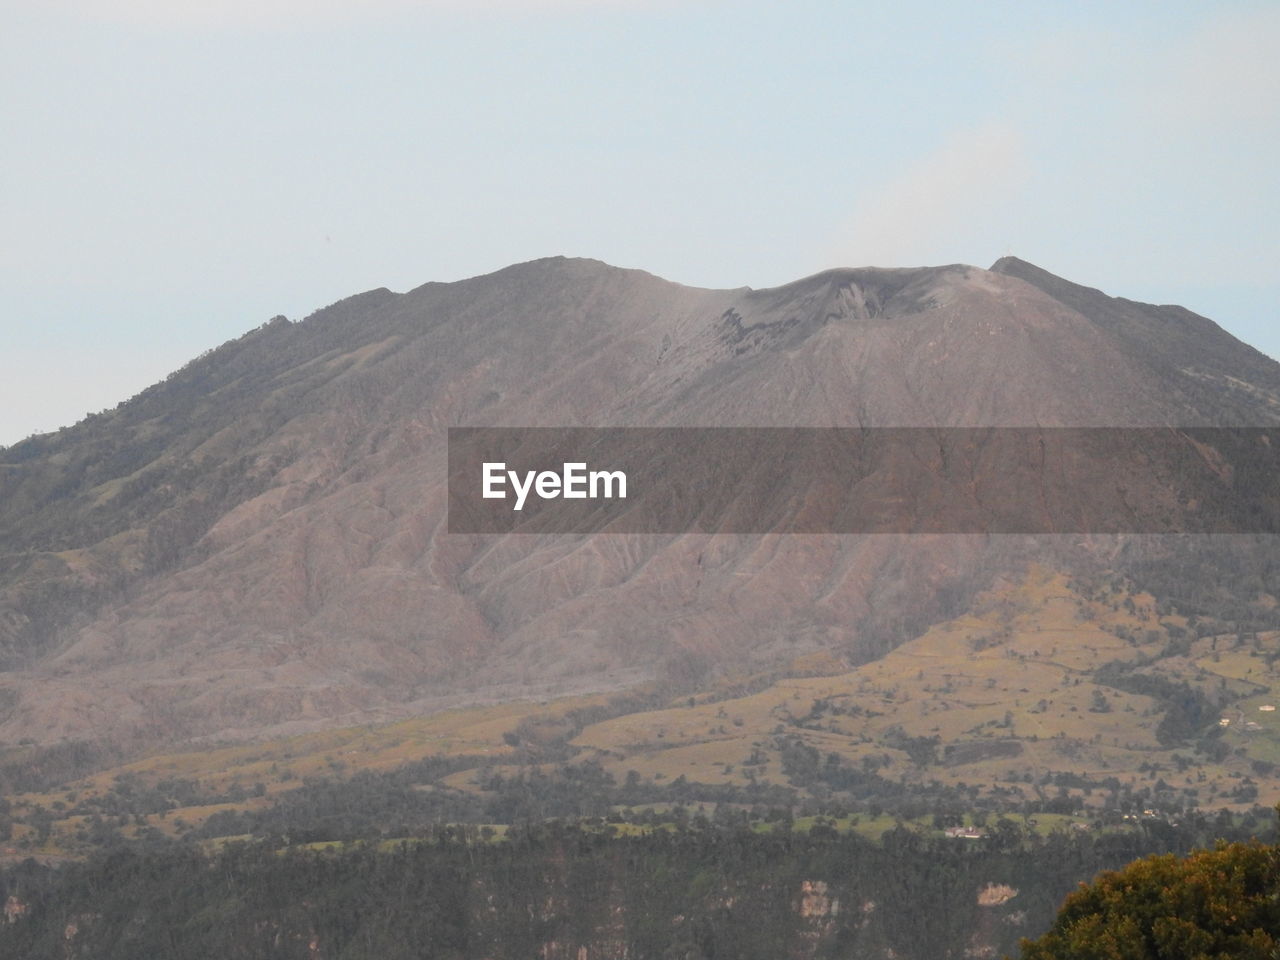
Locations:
{"points": [[1225, 73], [1156, 154], [913, 217], [272, 13]]}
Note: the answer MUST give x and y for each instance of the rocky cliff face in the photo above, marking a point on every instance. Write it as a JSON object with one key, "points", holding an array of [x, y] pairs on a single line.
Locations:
{"points": [[257, 545]]}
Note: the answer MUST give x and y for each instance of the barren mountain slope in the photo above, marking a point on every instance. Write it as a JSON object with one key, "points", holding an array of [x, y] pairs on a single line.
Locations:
{"points": [[257, 544]]}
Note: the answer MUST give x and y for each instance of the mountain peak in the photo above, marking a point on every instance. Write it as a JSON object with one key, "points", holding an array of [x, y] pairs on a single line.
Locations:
{"points": [[1050, 283], [1010, 264]]}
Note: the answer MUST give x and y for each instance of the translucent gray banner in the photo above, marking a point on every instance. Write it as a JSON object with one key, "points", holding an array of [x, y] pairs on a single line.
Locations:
{"points": [[874, 480]]}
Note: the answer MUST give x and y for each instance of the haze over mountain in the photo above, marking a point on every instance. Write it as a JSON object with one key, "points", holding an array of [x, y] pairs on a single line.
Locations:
{"points": [[257, 545]]}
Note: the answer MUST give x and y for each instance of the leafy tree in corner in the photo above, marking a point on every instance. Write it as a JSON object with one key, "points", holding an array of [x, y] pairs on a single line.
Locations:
{"points": [[1221, 904]]}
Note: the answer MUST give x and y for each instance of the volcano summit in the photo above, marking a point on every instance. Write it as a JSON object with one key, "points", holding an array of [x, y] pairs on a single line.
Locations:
{"points": [[258, 545]]}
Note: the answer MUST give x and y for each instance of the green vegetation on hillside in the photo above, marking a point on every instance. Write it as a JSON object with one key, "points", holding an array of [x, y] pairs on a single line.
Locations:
{"points": [[1051, 697], [698, 888]]}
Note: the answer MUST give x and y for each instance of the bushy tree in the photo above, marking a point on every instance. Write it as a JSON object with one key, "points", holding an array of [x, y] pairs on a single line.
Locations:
{"points": [[1221, 904]]}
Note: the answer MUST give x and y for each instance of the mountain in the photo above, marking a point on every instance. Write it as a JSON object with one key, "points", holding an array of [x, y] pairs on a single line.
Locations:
{"points": [[257, 546]]}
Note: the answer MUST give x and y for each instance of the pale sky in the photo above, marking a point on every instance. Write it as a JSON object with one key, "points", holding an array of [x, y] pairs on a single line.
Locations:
{"points": [[175, 173]]}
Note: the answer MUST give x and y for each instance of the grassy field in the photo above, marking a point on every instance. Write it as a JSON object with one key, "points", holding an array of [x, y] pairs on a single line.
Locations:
{"points": [[1010, 691]]}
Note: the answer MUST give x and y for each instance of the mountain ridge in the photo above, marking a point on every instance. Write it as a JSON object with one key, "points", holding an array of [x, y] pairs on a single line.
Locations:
{"points": [[256, 543]]}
